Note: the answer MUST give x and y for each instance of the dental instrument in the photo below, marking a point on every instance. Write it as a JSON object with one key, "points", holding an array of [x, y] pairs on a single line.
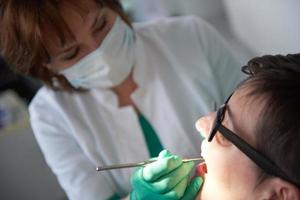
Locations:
{"points": [[142, 163]]}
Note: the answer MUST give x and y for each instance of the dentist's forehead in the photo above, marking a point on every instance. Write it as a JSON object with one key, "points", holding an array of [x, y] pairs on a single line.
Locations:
{"points": [[76, 19]]}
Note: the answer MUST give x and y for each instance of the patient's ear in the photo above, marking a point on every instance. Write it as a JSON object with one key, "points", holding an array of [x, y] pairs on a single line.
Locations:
{"points": [[278, 189]]}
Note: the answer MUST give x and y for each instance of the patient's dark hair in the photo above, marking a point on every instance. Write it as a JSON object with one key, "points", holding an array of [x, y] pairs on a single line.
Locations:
{"points": [[276, 81]]}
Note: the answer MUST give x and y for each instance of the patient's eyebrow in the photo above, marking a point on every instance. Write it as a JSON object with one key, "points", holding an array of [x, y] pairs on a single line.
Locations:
{"points": [[233, 120], [228, 117]]}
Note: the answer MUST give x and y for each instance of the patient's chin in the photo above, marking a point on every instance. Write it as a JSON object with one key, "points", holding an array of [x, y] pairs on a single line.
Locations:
{"points": [[202, 195], [207, 192]]}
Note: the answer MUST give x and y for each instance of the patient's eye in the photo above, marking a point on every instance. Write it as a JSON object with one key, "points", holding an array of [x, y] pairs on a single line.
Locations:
{"points": [[221, 139]]}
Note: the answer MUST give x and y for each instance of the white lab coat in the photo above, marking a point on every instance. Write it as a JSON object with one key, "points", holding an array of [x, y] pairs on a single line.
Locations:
{"points": [[183, 69]]}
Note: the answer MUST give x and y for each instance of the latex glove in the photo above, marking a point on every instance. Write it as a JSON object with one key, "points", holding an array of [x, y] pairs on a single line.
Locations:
{"points": [[193, 189], [165, 179]]}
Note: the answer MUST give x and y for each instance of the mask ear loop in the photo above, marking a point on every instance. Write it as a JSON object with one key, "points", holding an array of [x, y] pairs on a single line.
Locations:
{"points": [[59, 82]]}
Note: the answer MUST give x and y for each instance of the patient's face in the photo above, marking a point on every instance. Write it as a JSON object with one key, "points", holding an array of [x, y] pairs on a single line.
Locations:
{"points": [[230, 173]]}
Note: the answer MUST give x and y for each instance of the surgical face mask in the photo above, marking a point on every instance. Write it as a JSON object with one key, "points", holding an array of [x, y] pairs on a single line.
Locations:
{"points": [[109, 64]]}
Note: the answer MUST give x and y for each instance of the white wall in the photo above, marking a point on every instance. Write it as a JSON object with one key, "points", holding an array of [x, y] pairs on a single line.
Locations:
{"points": [[206, 9], [212, 11], [23, 172], [268, 26]]}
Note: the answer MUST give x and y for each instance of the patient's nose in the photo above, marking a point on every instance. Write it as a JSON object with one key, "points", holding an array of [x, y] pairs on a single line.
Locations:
{"points": [[204, 124]]}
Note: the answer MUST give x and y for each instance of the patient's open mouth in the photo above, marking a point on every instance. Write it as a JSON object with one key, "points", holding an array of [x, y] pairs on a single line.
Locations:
{"points": [[201, 169]]}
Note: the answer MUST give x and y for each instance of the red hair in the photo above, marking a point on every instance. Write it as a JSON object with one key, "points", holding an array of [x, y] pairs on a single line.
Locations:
{"points": [[27, 26]]}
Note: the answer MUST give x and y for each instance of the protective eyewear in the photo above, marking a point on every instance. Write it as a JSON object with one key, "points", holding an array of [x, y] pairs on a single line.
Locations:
{"points": [[258, 158]]}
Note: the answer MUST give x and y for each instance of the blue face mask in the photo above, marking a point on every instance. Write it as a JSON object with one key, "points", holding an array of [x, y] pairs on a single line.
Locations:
{"points": [[109, 64]]}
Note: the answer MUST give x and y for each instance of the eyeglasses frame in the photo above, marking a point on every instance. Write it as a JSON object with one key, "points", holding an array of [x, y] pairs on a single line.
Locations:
{"points": [[258, 158]]}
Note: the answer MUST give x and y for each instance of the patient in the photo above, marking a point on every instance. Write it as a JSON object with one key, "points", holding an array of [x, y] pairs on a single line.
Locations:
{"points": [[252, 143]]}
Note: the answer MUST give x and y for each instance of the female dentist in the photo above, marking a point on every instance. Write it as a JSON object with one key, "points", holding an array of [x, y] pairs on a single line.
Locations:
{"points": [[116, 92]]}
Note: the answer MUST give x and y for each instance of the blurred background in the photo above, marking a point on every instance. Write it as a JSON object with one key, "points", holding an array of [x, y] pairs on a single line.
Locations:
{"points": [[251, 28]]}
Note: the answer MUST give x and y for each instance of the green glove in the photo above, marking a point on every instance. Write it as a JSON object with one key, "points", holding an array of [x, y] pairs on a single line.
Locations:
{"points": [[165, 179], [193, 189]]}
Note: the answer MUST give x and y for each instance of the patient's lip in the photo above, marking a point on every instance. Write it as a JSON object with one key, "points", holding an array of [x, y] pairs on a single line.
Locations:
{"points": [[201, 169]]}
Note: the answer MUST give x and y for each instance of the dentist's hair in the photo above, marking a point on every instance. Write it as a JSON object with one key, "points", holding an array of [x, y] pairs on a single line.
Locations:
{"points": [[27, 26], [275, 81]]}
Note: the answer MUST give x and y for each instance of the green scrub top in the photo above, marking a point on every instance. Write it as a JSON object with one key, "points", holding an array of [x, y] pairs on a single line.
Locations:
{"points": [[114, 197], [153, 144]]}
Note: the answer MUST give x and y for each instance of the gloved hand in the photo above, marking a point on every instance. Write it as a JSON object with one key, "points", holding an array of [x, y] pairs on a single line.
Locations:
{"points": [[165, 179]]}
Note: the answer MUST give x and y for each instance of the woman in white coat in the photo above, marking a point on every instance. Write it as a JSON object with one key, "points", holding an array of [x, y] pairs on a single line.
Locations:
{"points": [[117, 93]]}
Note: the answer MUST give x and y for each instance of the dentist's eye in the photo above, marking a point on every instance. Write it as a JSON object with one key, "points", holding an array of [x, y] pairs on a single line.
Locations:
{"points": [[101, 24], [73, 54]]}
